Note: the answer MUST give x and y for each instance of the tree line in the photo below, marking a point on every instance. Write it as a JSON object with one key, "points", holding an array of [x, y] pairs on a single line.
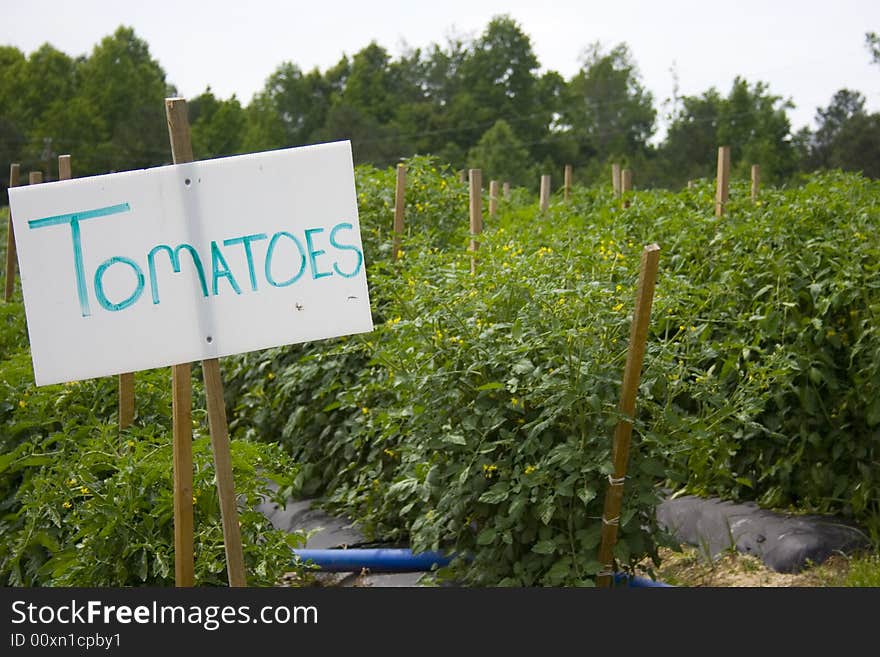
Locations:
{"points": [[480, 103]]}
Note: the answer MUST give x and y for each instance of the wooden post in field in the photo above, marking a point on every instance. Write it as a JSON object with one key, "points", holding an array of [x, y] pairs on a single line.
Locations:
{"points": [[11, 257], [463, 175], [566, 180], [399, 205], [722, 185], [476, 214], [181, 150], [545, 192], [756, 181], [64, 170], [623, 431], [626, 185], [690, 184], [505, 189], [181, 392], [493, 198], [615, 179]]}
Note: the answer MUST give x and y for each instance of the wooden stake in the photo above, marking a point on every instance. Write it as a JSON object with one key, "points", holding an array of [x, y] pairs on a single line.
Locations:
{"points": [[11, 257], [505, 189], [463, 175], [623, 432], [64, 172], [126, 400], [181, 391], [399, 205], [181, 149], [722, 185], [756, 181], [223, 469], [566, 183], [476, 213], [493, 198], [626, 185], [545, 192], [690, 184], [181, 416], [615, 180]]}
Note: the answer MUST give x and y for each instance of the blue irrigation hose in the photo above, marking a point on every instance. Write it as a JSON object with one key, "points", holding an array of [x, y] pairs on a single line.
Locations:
{"points": [[377, 560], [399, 560]]}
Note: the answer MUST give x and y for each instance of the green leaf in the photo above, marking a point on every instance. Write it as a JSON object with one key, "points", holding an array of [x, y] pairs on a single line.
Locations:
{"points": [[498, 493], [494, 385], [486, 536], [544, 547], [454, 439]]}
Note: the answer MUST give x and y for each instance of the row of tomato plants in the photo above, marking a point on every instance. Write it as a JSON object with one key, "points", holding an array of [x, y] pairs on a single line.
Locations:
{"points": [[476, 418]]}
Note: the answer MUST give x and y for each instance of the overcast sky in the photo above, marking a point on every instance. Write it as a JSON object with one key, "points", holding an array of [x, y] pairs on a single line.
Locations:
{"points": [[804, 49]]}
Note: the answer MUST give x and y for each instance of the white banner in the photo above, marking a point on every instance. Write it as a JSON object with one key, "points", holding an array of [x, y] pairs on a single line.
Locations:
{"points": [[150, 268]]}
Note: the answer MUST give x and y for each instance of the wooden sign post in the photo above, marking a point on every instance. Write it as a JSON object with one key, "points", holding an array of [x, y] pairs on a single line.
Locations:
{"points": [[545, 192], [181, 150], [567, 182], [722, 185], [476, 213], [505, 189], [399, 206], [14, 173], [756, 181], [493, 198], [191, 262], [623, 432], [615, 179], [181, 395]]}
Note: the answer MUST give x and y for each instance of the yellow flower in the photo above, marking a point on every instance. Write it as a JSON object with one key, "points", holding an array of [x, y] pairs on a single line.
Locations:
{"points": [[389, 453], [489, 470], [618, 307], [618, 287], [84, 490], [514, 401], [530, 469], [130, 443], [67, 505], [270, 375], [364, 410], [22, 403]]}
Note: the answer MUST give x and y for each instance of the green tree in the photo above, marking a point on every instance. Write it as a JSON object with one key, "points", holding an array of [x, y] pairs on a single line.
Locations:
{"points": [[607, 110], [218, 126], [753, 122], [498, 80], [125, 88], [500, 155], [845, 105]]}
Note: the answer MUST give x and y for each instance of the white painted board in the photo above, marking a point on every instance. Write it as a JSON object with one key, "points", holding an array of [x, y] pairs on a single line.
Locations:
{"points": [[276, 235]]}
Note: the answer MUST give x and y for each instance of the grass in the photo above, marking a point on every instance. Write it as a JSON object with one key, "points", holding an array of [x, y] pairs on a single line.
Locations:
{"points": [[690, 567]]}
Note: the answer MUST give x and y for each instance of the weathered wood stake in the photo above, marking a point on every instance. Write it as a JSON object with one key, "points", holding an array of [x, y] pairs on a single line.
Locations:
{"points": [[476, 214], [11, 256], [493, 198], [615, 180], [545, 192], [722, 185], [623, 432], [626, 185], [756, 181], [566, 183], [399, 205]]}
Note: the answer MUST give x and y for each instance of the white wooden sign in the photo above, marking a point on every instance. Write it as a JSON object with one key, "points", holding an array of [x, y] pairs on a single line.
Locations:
{"points": [[149, 268]]}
